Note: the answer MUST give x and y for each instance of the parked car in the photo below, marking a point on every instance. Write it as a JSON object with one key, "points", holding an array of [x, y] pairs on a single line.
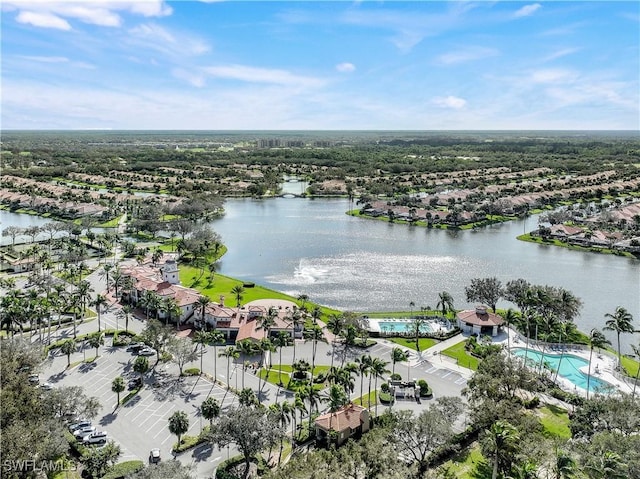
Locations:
{"points": [[135, 348], [146, 352], [79, 425], [84, 431], [135, 383], [34, 379], [98, 437], [46, 386], [154, 456]]}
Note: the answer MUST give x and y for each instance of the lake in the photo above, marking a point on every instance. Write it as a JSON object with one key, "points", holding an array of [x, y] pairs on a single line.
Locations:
{"points": [[310, 246]]}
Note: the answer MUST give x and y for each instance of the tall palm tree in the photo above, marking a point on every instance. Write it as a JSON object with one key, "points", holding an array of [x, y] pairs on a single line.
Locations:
{"points": [[216, 338], [298, 405], [246, 348], [636, 351], [398, 355], [336, 324], [296, 320], [105, 273], [282, 412], [83, 293], [282, 340], [265, 346], [171, 309], [267, 321], [229, 353], [203, 302], [98, 303], [364, 363], [596, 340], [620, 322], [237, 291], [126, 312], [201, 339], [445, 303], [313, 396], [210, 409], [378, 370], [313, 334], [509, 318], [501, 439], [336, 398]]}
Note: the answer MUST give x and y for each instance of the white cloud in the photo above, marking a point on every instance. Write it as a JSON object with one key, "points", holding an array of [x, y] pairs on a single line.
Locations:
{"points": [[262, 75], [559, 54], [169, 43], [44, 20], [450, 101], [42, 59], [466, 54], [527, 10], [189, 76], [557, 75], [345, 67], [55, 14]]}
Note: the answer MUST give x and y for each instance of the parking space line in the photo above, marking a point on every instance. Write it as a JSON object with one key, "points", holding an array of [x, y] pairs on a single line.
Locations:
{"points": [[448, 374]]}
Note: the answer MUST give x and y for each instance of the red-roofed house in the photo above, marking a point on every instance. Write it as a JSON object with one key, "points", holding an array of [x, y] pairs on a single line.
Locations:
{"points": [[479, 321], [349, 421]]}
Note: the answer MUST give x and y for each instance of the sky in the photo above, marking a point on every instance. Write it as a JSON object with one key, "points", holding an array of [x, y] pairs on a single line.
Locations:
{"points": [[320, 65]]}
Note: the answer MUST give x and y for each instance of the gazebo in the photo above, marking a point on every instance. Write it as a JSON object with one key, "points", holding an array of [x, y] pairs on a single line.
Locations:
{"points": [[479, 321]]}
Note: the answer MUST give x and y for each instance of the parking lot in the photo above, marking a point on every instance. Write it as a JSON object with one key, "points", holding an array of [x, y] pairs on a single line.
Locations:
{"points": [[142, 423]]}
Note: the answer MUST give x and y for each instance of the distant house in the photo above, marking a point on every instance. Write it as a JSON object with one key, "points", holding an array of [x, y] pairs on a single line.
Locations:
{"points": [[479, 321], [349, 421]]}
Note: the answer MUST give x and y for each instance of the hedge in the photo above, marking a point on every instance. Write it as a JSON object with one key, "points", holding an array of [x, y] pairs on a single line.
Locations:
{"points": [[124, 469]]}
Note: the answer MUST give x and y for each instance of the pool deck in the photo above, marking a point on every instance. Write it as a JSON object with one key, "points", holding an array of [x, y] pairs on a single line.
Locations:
{"points": [[602, 365]]}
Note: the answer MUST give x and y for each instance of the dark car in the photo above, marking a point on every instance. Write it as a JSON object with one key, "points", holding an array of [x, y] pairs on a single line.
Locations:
{"points": [[135, 383], [135, 348]]}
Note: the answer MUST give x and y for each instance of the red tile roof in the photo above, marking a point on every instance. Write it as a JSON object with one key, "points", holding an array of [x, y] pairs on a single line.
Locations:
{"points": [[476, 317], [349, 417]]}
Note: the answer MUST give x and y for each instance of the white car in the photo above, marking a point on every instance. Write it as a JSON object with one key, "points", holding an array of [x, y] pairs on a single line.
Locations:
{"points": [[146, 352], [98, 437], [84, 431], [154, 456]]}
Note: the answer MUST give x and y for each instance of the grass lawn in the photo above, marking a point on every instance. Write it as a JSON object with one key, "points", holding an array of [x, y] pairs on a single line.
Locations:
{"points": [[458, 352], [555, 421], [425, 343], [364, 400], [630, 365], [222, 285], [111, 223], [468, 464], [275, 376]]}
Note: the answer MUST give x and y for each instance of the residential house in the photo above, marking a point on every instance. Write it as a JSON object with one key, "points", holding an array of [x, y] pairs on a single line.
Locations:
{"points": [[349, 421]]}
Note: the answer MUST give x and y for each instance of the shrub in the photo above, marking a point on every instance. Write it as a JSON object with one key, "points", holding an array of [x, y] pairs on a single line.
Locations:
{"points": [[385, 398], [187, 442], [532, 403], [384, 387], [425, 390], [124, 469], [396, 377], [191, 372]]}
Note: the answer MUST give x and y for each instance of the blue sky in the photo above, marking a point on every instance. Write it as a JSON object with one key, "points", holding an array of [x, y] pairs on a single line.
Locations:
{"points": [[216, 65]]}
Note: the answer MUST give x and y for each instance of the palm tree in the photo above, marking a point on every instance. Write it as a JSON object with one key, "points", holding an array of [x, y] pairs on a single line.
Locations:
{"points": [[378, 370], [303, 298], [313, 396], [509, 317], [247, 397], [296, 320], [398, 355], [126, 312], [203, 302], [282, 413], [229, 352], [282, 340], [501, 439], [608, 466], [117, 386], [216, 338], [247, 348], [178, 424], [314, 334], [636, 351], [265, 346], [68, 347], [266, 322], [364, 363], [620, 322], [171, 309], [565, 466], [210, 409], [596, 340], [237, 291], [148, 301], [416, 325], [337, 398], [445, 303], [98, 303], [95, 340], [336, 324], [298, 405], [105, 273], [201, 339]]}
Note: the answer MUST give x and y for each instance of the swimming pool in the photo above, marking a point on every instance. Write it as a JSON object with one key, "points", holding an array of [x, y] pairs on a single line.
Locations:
{"points": [[399, 326], [569, 368]]}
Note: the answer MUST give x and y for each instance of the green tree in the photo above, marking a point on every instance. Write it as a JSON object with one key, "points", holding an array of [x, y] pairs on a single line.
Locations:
{"points": [[141, 365], [282, 340], [95, 340], [67, 348], [501, 442], [252, 430], [229, 352], [620, 322], [117, 386], [99, 303], [201, 339], [179, 424], [336, 398], [97, 462], [182, 352], [378, 370], [238, 291], [485, 290], [398, 355], [216, 338], [282, 413], [445, 303], [210, 409], [364, 362], [596, 340], [202, 303]]}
